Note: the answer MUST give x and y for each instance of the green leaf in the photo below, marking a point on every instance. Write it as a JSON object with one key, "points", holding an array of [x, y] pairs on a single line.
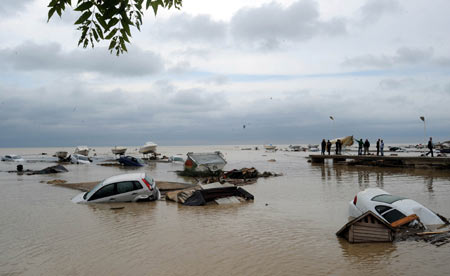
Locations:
{"points": [[83, 17], [122, 44], [99, 30], [84, 6], [101, 21], [50, 13], [126, 27], [112, 22], [112, 44], [111, 34]]}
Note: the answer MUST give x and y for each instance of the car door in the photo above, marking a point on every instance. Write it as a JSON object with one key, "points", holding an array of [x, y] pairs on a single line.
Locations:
{"points": [[105, 194], [129, 190]]}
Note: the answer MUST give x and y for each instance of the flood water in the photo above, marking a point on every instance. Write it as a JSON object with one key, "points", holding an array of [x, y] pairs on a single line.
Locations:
{"points": [[289, 229]]}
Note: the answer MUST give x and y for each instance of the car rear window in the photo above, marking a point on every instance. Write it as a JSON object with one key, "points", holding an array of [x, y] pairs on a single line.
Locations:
{"points": [[387, 198], [393, 215], [381, 209]]}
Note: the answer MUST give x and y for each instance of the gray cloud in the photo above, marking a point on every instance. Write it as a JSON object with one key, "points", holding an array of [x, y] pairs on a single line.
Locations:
{"points": [[11, 7], [271, 24], [184, 27], [403, 56], [30, 56], [373, 10]]}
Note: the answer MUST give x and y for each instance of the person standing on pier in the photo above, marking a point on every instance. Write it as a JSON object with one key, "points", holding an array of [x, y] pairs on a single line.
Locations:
{"points": [[378, 147], [323, 146], [430, 147], [338, 146], [366, 147], [328, 147], [360, 146], [382, 148]]}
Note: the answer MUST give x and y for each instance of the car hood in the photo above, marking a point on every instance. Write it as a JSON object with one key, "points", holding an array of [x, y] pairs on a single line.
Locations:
{"points": [[79, 198]]}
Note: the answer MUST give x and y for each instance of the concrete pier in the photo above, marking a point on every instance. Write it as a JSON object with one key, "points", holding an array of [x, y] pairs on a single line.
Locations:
{"points": [[387, 161]]}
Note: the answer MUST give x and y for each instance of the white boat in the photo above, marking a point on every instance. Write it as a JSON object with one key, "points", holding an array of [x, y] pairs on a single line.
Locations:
{"points": [[270, 147], [149, 147], [119, 150], [61, 154], [83, 150]]}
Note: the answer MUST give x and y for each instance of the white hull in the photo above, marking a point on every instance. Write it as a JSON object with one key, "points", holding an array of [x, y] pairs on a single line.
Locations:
{"points": [[148, 148], [119, 150]]}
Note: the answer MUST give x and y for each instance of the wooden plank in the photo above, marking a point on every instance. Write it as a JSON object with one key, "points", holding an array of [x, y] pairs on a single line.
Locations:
{"points": [[432, 233], [362, 228], [373, 225], [404, 220], [370, 233]]}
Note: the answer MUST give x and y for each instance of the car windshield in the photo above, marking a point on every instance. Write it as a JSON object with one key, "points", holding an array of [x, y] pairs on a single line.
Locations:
{"points": [[88, 194], [387, 198]]}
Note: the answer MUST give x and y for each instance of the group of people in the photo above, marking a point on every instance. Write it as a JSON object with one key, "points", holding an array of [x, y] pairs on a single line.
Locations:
{"points": [[366, 146], [326, 145]]}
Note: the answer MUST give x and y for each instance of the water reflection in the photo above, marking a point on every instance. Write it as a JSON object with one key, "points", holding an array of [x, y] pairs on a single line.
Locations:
{"points": [[366, 255]]}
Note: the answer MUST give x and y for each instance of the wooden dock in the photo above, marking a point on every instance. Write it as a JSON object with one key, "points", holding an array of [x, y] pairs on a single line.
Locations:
{"points": [[386, 161]]}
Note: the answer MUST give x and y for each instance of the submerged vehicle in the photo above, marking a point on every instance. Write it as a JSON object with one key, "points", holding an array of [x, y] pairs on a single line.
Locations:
{"points": [[12, 158], [131, 161], [391, 208], [131, 187], [79, 159]]}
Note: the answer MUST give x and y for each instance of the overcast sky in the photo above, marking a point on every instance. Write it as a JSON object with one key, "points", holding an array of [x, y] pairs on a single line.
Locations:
{"points": [[198, 75]]}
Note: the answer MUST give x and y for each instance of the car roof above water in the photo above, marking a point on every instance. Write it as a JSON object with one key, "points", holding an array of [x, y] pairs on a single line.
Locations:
{"points": [[124, 177]]}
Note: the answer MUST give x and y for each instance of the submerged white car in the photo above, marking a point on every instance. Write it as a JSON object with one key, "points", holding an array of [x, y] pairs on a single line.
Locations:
{"points": [[390, 207], [79, 159], [13, 158], [122, 188]]}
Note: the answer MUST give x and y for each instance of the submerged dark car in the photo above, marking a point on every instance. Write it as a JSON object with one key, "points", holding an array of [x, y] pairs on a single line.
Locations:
{"points": [[131, 161]]}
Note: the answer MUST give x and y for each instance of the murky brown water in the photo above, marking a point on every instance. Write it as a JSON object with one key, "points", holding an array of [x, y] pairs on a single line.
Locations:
{"points": [[288, 230]]}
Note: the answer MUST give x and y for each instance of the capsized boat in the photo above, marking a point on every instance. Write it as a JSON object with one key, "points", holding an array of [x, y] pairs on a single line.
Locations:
{"points": [[346, 141], [83, 150], [119, 150], [149, 147]]}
